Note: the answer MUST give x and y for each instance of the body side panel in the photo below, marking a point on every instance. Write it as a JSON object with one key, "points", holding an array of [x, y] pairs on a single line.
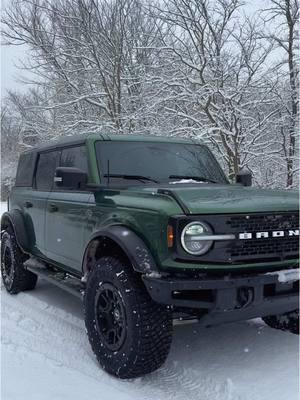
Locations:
{"points": [[65, 227]]}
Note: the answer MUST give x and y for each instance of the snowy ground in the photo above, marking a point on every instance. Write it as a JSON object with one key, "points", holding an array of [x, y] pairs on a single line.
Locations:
{"points": [[45, 355]]}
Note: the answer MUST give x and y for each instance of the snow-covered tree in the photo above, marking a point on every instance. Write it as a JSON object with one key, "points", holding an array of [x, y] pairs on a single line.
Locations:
{"points": [[282, 20], [197, 68]]}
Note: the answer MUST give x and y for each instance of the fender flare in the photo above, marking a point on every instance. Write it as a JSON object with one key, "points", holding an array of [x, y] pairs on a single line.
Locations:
{"points": [[130, 243], [17, 221]]}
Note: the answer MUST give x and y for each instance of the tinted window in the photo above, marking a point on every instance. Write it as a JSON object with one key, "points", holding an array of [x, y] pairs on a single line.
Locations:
{"points": [[47, 164], [25, 169], [74, 157], [158, 161]]}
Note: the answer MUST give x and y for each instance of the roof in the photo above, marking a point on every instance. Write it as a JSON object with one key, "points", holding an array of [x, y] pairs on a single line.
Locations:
{"points": [[80, 139], [148, 138]]}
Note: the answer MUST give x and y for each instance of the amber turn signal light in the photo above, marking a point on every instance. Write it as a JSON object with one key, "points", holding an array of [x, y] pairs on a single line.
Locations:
{"points": [[170, 236]]}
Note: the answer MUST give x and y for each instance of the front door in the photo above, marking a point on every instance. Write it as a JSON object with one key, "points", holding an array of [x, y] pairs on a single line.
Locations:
{"points": [[67, 215]]}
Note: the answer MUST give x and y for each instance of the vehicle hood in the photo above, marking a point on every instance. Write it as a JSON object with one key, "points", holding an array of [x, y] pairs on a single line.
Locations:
{"points": [[217, 199]]}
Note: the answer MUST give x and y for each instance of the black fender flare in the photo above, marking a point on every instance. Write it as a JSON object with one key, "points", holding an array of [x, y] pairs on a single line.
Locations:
{"points": [[17, 221], [130, 243]]}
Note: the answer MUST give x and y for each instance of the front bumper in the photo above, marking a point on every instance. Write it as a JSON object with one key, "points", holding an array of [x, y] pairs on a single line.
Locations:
{"points": [[173, 266], [229, 298]]}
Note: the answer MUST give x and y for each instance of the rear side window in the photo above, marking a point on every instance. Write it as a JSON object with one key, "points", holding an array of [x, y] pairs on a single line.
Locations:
{"points": [[25, 169], [45, 171], [74, 157]]}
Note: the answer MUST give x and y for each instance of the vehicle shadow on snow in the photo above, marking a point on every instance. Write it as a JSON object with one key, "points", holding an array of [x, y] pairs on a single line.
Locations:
{"points": [[221, 362]]}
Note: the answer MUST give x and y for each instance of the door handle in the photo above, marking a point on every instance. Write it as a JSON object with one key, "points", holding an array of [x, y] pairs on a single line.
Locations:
{"points": [[27, 204], [53, 208]]}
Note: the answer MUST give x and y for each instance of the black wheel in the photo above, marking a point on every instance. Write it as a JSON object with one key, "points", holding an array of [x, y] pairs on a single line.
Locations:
{"points": [[129, 333], [15, 278], [285, 322]]}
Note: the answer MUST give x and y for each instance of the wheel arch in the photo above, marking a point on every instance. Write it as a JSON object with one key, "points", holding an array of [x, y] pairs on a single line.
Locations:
{"points": [[15, 219], [123, 242]]}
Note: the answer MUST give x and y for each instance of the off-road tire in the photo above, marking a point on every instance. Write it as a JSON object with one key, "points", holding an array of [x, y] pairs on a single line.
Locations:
{"points": [[285, 322], [14, 276], [148, 325]]}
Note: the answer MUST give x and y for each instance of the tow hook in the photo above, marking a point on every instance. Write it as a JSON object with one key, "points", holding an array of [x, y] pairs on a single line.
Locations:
{"points": [[245, 296]]}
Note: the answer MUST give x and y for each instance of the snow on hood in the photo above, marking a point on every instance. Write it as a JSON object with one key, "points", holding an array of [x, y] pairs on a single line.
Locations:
{"points": [[186, 181]]}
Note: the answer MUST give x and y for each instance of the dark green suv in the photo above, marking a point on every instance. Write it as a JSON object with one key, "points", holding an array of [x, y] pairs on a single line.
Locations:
{"points": [[148, 229]]}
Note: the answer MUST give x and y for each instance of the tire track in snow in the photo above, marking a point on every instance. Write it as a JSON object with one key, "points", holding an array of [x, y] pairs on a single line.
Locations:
{"points": [[31, 324], [193, 385], [41, 323]]}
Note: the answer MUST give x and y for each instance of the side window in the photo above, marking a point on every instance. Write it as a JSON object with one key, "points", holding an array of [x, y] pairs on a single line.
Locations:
{"points": [[25, 169], [45, 171], [74, 157]]}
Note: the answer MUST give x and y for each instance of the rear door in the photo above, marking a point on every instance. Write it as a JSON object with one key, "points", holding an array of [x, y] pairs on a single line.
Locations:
{"points": [[67, 214], [23, 197], [32, 189]]}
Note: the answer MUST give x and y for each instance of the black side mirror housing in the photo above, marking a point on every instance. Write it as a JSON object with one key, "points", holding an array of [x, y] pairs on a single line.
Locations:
{"points": [[70, 178], [244, 177]]}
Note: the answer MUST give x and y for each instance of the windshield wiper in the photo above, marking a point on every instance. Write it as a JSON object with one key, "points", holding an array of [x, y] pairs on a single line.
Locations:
{"points": [[133, 177], [194, 178]]}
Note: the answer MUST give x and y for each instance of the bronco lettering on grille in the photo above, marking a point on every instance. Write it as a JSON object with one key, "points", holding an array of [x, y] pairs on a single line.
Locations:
{"points": [[265, 235]]}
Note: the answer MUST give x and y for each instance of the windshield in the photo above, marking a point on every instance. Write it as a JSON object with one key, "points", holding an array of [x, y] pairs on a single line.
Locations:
{"points": [[161, 162]]}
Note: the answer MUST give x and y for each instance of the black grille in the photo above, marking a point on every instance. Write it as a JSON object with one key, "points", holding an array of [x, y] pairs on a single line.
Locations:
{"points": [[258, 223], [278, 248]]}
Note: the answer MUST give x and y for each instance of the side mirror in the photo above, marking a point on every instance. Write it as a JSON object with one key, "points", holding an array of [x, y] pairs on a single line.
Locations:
{"points": [[244, 177], [70, 178]]}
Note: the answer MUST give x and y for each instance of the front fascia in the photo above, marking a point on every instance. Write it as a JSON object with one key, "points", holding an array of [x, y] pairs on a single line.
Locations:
{"points": [[186, 262], [236, 251]]}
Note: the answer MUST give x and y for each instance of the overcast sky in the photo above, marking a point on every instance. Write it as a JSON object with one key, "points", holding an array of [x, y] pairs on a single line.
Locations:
{"points": [[11, 55]]}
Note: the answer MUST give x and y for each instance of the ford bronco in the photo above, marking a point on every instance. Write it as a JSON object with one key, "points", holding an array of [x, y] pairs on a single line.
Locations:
{"points": [[148, 229]]}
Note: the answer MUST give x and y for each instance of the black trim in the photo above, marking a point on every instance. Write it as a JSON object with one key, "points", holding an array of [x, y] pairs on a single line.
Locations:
{"points": [[225, 299], [132, 245], [17, 220]]}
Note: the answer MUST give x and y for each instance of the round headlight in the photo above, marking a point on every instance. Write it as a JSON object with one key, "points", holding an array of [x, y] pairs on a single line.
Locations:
{"points": [[193, 238]]}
